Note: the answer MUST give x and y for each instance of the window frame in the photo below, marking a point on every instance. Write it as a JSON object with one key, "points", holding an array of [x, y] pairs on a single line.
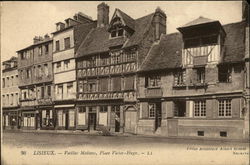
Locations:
{"points": [[152, 110], [180, 78], [57, 45], [67, 43], [227, 72], [224, 104], [201, 109]]}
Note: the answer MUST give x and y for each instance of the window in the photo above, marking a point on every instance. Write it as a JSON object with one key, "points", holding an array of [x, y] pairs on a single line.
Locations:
{"points": [[16, 81], [8, 100], [39, 70], [46, 71], [91, 62], [92, 86], [120, 32], [27, 54], [42, 92], [22, 55], [130, 56], [103, 108], [180, 108], [201, 41], [21, 73], [58, 66], [60, 92], [117, 32], [28, 75], [151, 110], [49, 90], [153, 81], [67, 43], [225, 74], [12, 80], [103, 84], [40, 50], [200, 108], [113, 34], [4, 101], [66, 64], [223, 133], [3, 82], [8, 82], [116, 83], [200, 75], [70, 93], [200, 133], [24, 95], [179, 78], [57, 45], [11, 99], [225, 108], [46, 49], [129, 83], [17, 99]]}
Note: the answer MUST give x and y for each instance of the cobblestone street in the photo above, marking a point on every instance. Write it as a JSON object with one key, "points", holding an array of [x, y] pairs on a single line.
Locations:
{"points": [[91, 149]]}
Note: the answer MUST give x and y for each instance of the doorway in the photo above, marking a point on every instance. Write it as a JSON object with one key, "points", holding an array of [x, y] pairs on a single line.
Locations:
{"points": [[92, 121], [158, 116]]}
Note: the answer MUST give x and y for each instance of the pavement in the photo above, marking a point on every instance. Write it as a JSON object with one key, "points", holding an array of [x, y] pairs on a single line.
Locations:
{"points": [[99, 133]]}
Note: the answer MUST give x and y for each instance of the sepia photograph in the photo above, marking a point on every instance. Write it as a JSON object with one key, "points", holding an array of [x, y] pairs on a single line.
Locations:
{"points": [[125, 82]]}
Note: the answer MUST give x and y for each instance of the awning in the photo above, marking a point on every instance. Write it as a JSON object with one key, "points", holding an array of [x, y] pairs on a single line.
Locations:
{"points": [[64, 106]]}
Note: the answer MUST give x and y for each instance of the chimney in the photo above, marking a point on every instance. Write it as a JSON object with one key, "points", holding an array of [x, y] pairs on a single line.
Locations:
{"points": [[60, 26], [46, 37], [245, 11], [102, 15], [35, 39], [159, 23]]}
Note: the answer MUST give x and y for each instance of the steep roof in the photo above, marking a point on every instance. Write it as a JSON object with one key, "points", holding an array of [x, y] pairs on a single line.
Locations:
{"points": [[130, 22], [81, 31], [167, 53], [164, 55], [98, 40], [234, 42]]}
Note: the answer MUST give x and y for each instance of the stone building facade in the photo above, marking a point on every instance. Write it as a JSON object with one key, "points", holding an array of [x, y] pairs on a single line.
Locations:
{"points": [[66, 39], [35, 84], [10, 94]]}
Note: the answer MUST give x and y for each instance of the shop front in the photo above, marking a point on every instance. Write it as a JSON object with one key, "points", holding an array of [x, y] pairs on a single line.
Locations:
{"points": [[65, 115], [10, 118], [46, 118], [28, 119], [99, 116]]}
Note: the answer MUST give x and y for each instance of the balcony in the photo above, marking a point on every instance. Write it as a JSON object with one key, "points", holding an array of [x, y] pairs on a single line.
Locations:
{"points": [[30, 102], [126, 96], [45, 101], [107, 70], [153, 92]]}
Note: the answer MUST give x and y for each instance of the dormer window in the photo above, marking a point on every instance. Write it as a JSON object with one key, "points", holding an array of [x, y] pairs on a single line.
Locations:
{"points": [[118, 32]]}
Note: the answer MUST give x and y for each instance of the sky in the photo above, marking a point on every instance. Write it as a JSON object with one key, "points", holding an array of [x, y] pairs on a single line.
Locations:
{"points": [[21, 21]]}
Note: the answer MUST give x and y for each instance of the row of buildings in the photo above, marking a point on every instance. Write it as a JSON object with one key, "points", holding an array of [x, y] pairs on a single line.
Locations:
{"points": [[129, 75]]}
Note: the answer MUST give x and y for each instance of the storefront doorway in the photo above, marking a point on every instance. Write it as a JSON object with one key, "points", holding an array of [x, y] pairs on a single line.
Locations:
{"points": [[92, 121]]}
